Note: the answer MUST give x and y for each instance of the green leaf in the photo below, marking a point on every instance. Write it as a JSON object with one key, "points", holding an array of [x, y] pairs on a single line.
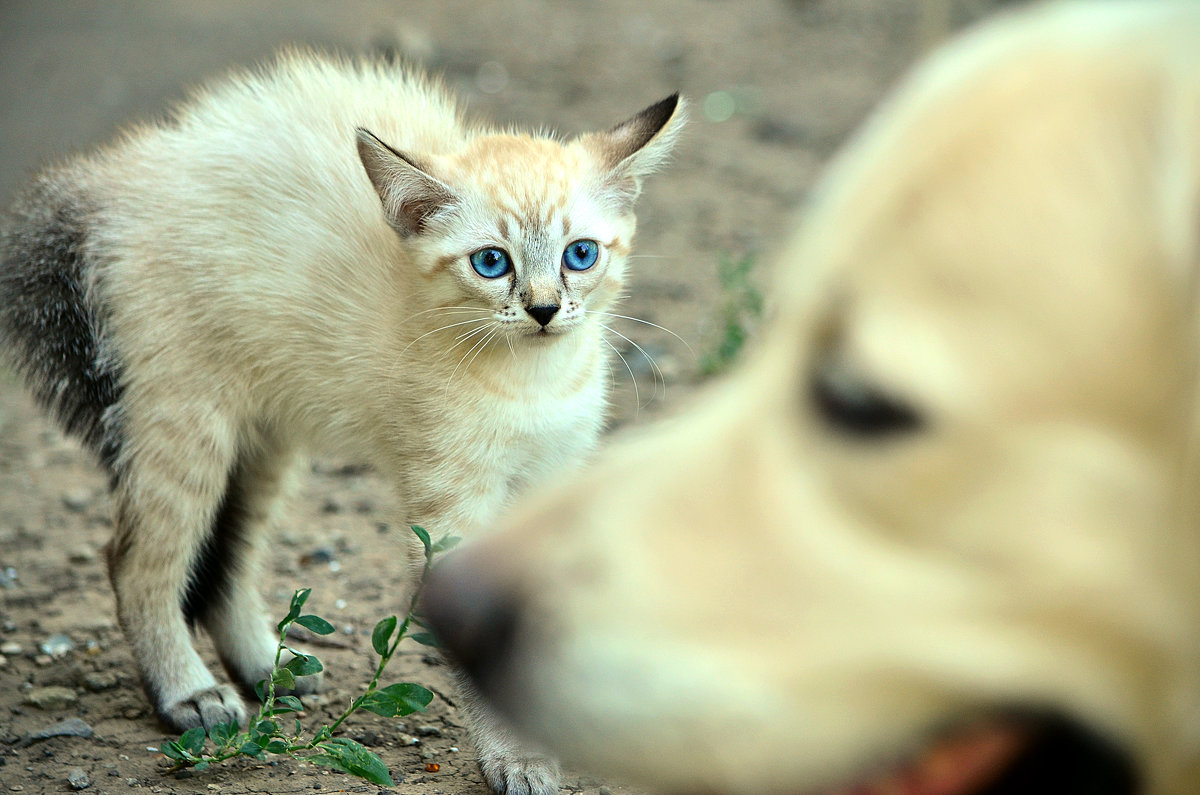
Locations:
{"points": [[277, 747], [251, 748], [382, 634], [342, 753], [201, 765], [193, 740], [424, 536], [290, 702], [380, 704], [410, 697], [425, 639], [283, 677], [174, 750], [298, 600], [299, 728], [222, 733], [315, 624], [445, 543], [260, 689], [304, 665]]}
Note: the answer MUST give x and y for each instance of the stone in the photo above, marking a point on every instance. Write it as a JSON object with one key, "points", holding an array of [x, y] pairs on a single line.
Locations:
{"points": [[78, 779], [98, 681], [57, 645], [51, 698], [77, 500], [71, 727]]}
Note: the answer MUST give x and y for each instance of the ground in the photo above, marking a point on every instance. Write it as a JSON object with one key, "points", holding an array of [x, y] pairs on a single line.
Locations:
{"points": [[775, 86]]}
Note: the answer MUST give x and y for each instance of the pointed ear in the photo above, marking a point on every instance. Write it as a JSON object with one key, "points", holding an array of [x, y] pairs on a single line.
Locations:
{"points": [[638, 146], [410, 196]]}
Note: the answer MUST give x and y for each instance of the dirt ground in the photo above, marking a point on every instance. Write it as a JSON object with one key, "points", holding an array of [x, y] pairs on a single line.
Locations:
{"points": [[776, 85]]}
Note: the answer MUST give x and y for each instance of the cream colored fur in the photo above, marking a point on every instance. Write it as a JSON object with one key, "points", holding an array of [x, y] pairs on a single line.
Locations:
{"points": [[777, 603], [268, 290]]}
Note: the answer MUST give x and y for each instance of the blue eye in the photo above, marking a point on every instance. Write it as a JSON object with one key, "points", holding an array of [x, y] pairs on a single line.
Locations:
{"points": [[490, 263], [581, 255]]}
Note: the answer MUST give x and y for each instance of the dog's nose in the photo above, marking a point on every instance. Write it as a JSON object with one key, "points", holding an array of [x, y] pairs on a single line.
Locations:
{"points": [[542, 314], [474, 618]]}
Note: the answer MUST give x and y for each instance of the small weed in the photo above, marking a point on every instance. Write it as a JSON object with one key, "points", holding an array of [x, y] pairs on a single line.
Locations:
{"points": [[740, 312], [267, 734]]}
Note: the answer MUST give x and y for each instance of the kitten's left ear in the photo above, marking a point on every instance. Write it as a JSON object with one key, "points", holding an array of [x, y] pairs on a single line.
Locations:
{"points": [[410, 195], [638, 146]]}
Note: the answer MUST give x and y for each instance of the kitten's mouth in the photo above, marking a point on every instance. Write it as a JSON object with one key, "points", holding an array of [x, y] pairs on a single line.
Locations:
{"points": [[1009, 755]]}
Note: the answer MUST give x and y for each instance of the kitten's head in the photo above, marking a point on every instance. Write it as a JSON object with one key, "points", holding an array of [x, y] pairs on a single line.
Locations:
{"points": [[531, 229]]}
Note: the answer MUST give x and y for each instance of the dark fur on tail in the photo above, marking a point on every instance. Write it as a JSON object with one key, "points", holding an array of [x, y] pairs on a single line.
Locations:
{"points": [[50, 329]]}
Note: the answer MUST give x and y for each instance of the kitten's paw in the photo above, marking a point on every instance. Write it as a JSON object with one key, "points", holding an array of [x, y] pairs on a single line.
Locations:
{"points": [[516, 774], [207, 708]]}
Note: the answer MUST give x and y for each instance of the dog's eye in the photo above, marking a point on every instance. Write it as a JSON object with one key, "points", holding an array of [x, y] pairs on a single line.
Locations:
{"points": [[850, 405]]}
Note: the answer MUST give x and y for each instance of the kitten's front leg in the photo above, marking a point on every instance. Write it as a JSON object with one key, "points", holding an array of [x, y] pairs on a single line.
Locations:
{"points": [[509, 766]]}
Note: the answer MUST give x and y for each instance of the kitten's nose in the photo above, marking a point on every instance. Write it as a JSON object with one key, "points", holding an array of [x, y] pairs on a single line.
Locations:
{"points": [[542, 314]]}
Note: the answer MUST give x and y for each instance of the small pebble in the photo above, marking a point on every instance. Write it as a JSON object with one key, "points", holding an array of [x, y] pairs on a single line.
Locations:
{"points": [[407, 739], [78, 779], [318, 555], [98, 681], [42, 660], [71, 727], [11, 648], [77, 500], [51, 698], [8, 577], [429, 731], [57, 645], [81, 554]]}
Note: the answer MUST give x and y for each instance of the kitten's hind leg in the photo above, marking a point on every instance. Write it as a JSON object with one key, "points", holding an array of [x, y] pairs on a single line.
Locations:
{"points": [[230, 605], [170, 479]]}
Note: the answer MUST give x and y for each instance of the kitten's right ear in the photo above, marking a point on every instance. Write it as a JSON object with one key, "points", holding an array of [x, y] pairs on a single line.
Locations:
{"points": [[638, 146], [410, 196]]}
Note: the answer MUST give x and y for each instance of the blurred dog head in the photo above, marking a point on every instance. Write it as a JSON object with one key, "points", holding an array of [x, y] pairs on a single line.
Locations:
{"points": [[942, 524]]}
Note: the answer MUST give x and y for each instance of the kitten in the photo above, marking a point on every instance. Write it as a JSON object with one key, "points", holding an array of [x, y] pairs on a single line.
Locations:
{"points": [[320, 255]]}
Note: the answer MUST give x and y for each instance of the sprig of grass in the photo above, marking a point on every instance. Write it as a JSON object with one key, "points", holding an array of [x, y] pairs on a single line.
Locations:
{"points": [[741, 310], [265, 733]]}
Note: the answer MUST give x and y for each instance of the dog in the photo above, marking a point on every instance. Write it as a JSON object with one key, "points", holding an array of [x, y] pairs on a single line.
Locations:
{"points": [[939, 532]]}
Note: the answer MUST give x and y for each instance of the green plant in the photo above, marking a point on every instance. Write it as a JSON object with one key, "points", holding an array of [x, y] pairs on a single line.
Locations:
{"points": [[741, 310], [265, 733]]}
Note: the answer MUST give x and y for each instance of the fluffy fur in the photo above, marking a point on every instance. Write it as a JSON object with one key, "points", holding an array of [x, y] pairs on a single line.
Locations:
{"points": [[283, 266], [948, 504]]}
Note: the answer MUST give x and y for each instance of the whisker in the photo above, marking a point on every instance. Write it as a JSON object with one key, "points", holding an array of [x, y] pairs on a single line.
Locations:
{"points": [[446, 309], [464, 337], [648, 323], [443, 328], [480, 342], [653, 364], [636, 398]]}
